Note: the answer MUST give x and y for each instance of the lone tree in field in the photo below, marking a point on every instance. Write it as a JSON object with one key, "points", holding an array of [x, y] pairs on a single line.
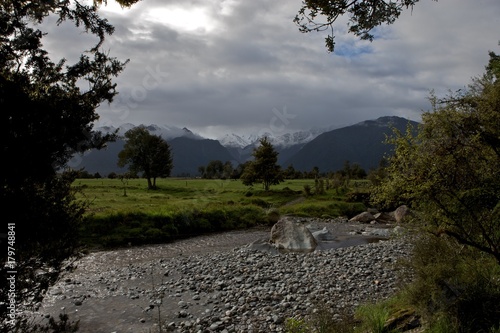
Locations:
{"points": [[146, 153], [264, 168], [364, 16]]}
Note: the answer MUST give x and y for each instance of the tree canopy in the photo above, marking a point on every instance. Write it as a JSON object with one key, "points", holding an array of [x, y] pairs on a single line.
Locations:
{"points": [[264, 167], [450, 171], [364, 16], [146, 153], [48, 110]]}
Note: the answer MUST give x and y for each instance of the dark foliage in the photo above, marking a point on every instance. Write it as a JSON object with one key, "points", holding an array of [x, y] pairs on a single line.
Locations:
{"points": [[46, 119]]}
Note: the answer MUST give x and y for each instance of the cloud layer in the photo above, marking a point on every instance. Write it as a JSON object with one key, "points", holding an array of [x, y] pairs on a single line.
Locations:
{"points": [[218, 66]]}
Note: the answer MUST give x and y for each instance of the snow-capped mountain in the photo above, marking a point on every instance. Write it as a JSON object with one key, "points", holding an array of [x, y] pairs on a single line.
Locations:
{"points": [[361, 143], [280, 141], [234, 141], [170, 132], [166, 132]]}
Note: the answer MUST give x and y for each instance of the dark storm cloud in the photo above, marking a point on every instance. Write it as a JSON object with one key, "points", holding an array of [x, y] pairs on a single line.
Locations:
{"points": [[217, 65]]}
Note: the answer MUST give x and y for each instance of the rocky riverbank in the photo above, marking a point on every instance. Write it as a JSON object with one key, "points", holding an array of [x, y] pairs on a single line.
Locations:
{"points": [[191, 286]]}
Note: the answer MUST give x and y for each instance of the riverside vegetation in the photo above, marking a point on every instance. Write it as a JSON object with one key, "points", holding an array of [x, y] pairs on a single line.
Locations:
{"points": [[125, 212]]}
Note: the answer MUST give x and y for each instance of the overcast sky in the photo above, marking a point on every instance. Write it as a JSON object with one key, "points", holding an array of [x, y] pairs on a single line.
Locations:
{"points": [[219, 66]]}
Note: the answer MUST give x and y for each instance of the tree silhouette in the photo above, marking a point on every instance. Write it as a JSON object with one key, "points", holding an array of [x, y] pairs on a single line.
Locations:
{"points": [[264, 167], [146, 153], [48, 109]]}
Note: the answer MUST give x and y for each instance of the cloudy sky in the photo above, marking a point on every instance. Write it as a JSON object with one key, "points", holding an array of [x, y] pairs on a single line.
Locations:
{"points": [[219, 66]]}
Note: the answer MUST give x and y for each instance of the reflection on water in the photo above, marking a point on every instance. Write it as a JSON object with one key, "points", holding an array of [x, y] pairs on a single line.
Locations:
{"points": [[339, 242], [346, 242]]}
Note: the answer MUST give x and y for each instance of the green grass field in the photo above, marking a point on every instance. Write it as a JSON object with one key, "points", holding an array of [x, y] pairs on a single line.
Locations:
{"points": [[107, 196], [123, 212]]}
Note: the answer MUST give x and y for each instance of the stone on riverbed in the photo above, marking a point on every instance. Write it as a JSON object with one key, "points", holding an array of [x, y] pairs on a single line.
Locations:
{"points": [[364, 217], [323, 235], [290, 235]]}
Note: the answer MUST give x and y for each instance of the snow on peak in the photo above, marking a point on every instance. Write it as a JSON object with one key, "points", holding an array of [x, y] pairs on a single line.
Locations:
{"points": [[282, 141], [233, 140], [166, 132]]}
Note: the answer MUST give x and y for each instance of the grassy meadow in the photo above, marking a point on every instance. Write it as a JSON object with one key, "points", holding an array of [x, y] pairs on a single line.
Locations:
{"points": [[125, 212]]}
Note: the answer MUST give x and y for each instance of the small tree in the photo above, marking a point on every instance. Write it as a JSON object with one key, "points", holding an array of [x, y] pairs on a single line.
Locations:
{"points": [[264, 167], [146, 153]]}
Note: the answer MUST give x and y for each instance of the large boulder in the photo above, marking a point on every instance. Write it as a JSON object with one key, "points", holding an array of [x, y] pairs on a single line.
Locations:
{"points": [[383, 217], [365, 217], [290, 235], [401, 213]]}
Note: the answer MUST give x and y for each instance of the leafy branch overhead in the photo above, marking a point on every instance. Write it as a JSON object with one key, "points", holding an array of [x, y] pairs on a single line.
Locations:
{"points": [[364, 16]]}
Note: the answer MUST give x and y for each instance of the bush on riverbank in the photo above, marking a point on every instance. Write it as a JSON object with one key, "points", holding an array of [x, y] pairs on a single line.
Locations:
{"points": [[122, 229], [455, 286]]}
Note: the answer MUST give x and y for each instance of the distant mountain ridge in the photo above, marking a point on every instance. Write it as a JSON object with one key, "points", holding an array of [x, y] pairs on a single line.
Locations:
{"points": [[284, 140], [361, 143], [166, 132]]}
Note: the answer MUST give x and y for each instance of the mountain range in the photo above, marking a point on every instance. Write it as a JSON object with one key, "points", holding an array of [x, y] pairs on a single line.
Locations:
{"points": [[327, 149]]}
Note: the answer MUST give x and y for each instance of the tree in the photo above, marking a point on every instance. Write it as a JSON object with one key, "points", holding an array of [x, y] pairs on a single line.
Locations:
{"points": [[214, 169], [228, 170], [146, 153], [290, 173], [264, 167], [450, 171], [364, 16], [48, 109]]}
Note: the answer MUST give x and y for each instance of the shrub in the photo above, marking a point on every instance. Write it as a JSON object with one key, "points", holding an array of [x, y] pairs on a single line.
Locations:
{"points": [[349, 209], [455, 285], [273, 216], [260, 202], [357, 196], [307, 190], [373, 317], [141, 228], [294, 325]]}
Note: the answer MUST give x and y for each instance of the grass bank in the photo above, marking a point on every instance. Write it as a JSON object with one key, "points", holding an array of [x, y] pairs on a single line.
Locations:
{"points": [[125, 212]]}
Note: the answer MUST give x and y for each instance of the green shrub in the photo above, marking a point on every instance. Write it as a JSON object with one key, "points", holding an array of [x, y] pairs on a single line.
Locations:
{"points": [[441, 324], [349, 209], [373, 317], [322, 320], [273, 216], [154, 235], [358, 196], [307, 190], [260, 202], [141, 228], [294, 325], [455, 285]]}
